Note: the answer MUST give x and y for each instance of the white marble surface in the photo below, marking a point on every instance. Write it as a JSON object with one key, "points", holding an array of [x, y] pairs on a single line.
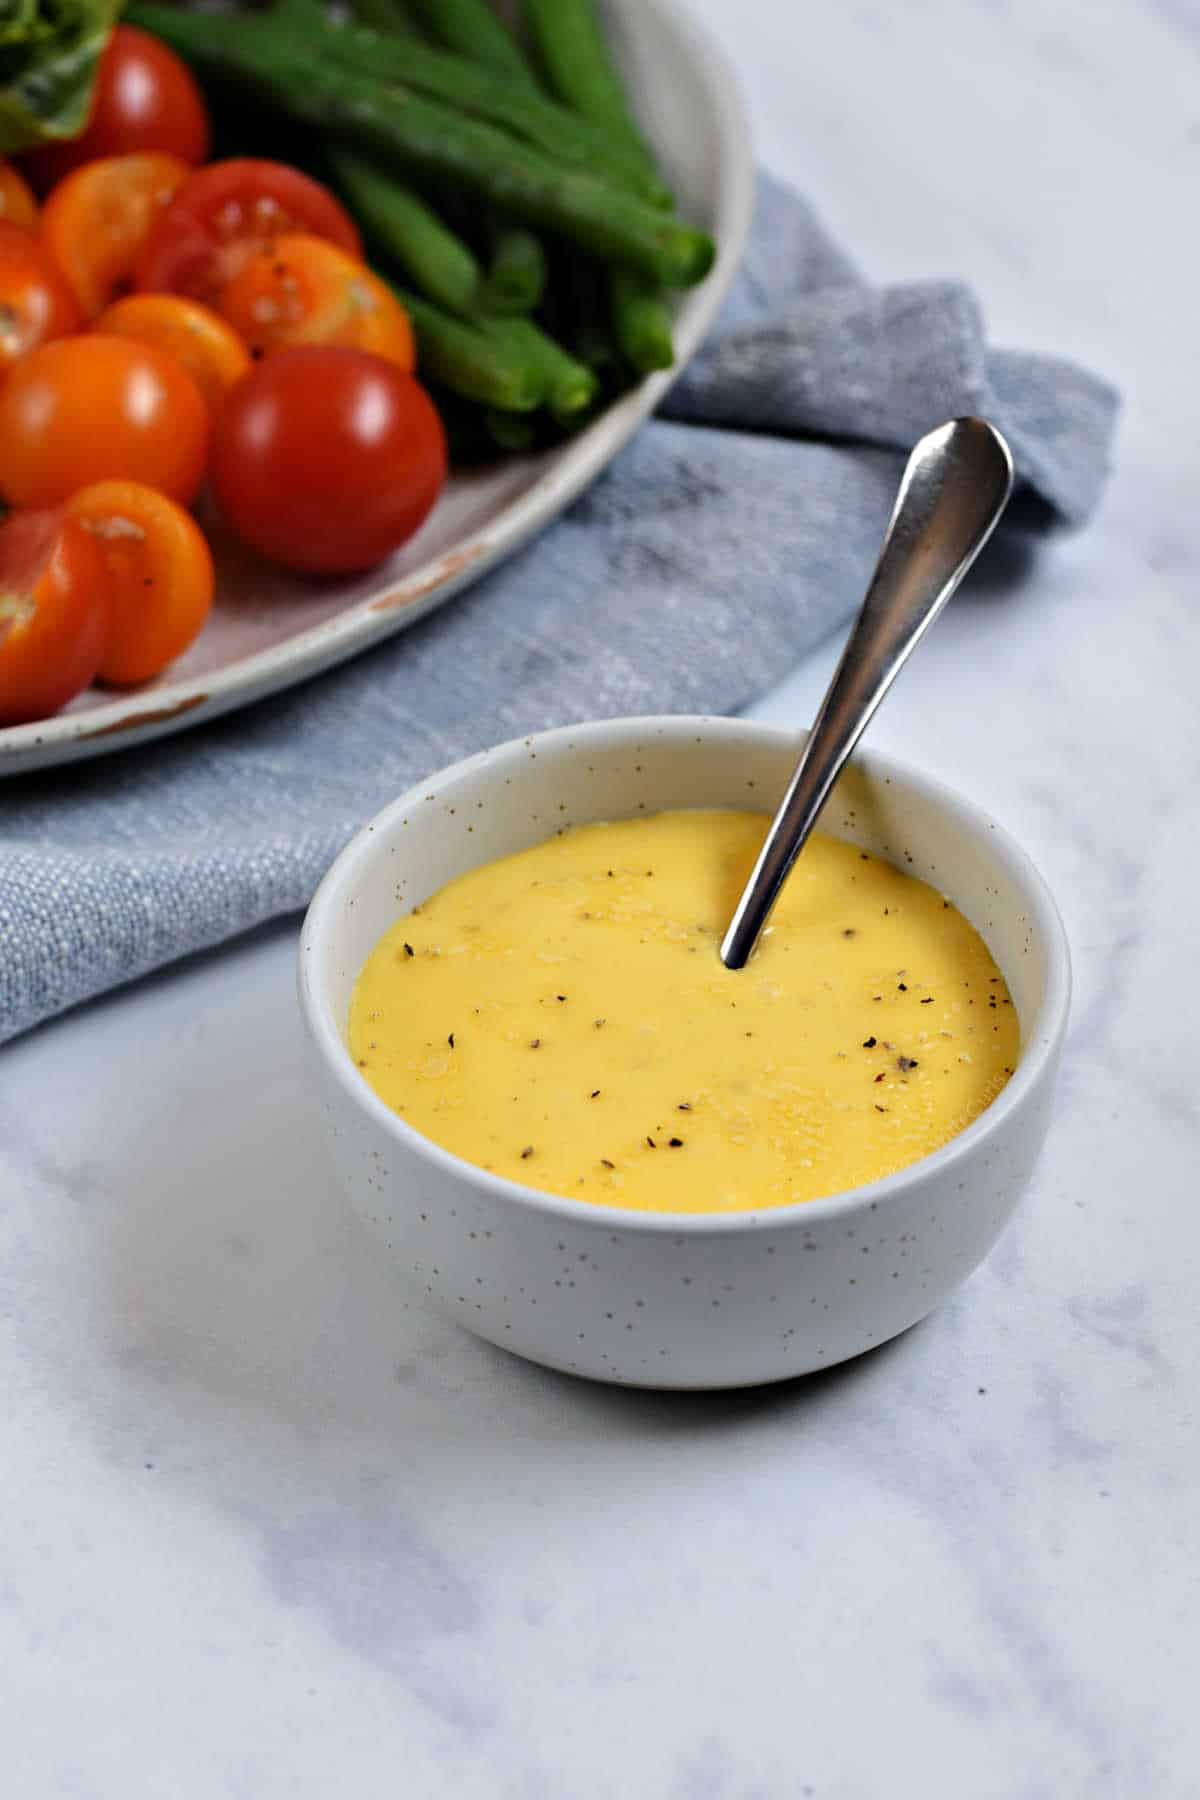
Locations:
{"points": [[266, 1532]]}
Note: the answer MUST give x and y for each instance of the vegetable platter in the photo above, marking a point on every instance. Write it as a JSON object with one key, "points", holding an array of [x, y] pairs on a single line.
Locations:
{"points": [[307, 319]]}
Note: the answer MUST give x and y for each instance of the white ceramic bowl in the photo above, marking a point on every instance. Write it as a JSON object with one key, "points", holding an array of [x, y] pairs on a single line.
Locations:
{"points": [[671, 1299]]}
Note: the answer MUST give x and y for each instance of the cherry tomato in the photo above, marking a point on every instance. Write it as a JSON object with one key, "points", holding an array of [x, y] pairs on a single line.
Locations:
{"points": [[17, 204], [327, 459], [145, 99], [304, 290], [91, 408], [35, 302], [96, 222], [209, 349], [160, 576], [53, 613], [226, 212]]}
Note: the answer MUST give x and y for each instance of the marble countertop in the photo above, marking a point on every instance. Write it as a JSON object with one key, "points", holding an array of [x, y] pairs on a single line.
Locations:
{"points": [[268, 1531]]}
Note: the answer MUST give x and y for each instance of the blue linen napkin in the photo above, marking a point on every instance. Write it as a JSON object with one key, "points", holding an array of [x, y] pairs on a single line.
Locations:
{"points": [[735, 531]]}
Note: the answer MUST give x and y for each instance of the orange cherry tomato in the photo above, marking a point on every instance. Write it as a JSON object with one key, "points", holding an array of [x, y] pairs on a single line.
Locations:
{"points": [[160, 576], [92, 408], [209, 349], [305, 290], [53, 613], [17, 204], [145, 98], [97, 221], [35, 302]]}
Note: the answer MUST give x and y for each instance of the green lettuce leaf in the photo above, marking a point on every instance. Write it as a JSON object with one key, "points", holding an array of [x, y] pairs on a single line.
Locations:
{"points": [[49, 50]]}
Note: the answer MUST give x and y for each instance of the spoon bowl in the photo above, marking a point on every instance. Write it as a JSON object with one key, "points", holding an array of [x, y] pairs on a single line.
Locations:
{"points": [[955, 486]]}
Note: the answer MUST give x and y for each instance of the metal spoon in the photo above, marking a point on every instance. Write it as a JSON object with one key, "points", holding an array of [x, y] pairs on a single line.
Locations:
{"points": [[953, 490]]}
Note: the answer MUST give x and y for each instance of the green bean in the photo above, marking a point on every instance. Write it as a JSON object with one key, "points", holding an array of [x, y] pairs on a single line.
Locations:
{"points": [[408, 232], [510, 431], [472, 28], [484, 94], [434, 141], [473, 361], [570, 385], [516, 276], [641, 321], [572, 52], [383, 15]]}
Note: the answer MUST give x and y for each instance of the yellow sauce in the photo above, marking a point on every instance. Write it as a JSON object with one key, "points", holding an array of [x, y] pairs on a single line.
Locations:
{"points": [[561, 1017]]}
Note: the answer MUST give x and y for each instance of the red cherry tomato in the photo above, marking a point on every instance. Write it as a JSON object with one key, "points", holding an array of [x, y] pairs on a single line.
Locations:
{"points": [[227, 212], [35, 302], [145, 99], [54, 613], [95, 408], [327, 459]]}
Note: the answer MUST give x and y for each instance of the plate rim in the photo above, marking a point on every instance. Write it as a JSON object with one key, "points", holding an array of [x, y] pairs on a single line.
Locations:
{"points": [[129, 720]]}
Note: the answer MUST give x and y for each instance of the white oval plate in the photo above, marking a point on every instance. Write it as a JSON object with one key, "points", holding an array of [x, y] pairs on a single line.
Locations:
{"points": [[268, 629]]}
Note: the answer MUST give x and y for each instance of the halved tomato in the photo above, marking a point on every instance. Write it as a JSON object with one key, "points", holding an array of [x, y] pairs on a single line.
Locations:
{"points": [[209, 349], [160, 576], [35, 302], [226, 212], [96, 222], [53, 613], [305, 290]]}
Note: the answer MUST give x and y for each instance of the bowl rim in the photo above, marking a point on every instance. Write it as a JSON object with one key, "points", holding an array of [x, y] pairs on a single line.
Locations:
{"points": [[1036, 1060]]}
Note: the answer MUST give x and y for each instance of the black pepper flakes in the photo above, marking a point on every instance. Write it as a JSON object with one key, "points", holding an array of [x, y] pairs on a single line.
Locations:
{"points": [[595, 1094], [604, 1160], [675, 1143], [903, 986], [928, 1002], [879, 1108], [684, 1106], [560, 996], [849, 931], [651, 1142], [870, 1043], [409, 951], [527, 1152], [450, 1040], [904, 1063], [535, 1043]]}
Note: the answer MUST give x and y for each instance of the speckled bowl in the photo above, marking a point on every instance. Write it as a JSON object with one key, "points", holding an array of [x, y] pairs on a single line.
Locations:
{"points": [[672, 1299]]}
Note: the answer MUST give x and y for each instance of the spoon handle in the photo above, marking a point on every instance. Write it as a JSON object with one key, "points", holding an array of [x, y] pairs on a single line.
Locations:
{"points": [[954, 488]]}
